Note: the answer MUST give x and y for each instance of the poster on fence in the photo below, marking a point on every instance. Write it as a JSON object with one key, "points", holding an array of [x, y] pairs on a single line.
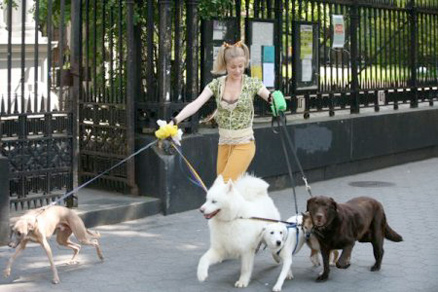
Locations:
{"points": [[306, 61], [268, 67], [338, 31], [213, 33], [260, 40]]}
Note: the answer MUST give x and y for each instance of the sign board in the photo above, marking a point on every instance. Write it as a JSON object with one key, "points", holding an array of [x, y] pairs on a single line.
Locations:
{"points": [[214, 33], [306, 58], [260, 41], [338, 31]]}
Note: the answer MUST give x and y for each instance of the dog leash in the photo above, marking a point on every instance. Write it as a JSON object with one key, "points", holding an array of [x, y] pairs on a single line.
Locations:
{"points": [[75, 190], [197, 180], [266, 220], [281, 123]]}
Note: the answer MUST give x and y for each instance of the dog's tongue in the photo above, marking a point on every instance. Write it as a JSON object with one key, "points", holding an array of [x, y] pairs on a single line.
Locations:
{"points": [[211, 215]]}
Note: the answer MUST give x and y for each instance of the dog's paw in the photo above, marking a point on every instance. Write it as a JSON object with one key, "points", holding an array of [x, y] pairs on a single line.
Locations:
{"points": [[342, 266], [276, 288], [290, 276], [322, 278], [375, 268], [55, 281], [202, 276], [315, 260], [6, 272], [241, 284]]}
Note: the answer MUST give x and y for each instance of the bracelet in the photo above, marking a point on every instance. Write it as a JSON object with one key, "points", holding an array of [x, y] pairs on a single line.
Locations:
{"points": [[270, 97], [174, 121]]}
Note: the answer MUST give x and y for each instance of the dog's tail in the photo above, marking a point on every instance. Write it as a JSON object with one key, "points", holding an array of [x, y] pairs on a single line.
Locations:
{"points": [[94, 234], [391, 234]]}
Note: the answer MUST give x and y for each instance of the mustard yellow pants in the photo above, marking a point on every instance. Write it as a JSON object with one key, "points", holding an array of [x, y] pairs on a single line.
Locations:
{"points": [[234, 160]]}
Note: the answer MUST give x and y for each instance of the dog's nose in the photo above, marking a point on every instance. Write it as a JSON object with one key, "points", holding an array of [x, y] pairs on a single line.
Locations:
{"points": [[278, 242], [319, 217], [201, 210]]}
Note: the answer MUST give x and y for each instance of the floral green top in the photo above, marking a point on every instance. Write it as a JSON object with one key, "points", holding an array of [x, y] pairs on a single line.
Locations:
{"points": [[235, 120]]}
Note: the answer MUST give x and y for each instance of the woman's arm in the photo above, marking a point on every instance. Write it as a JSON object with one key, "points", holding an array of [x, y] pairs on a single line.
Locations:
{"points": [[264, 93], [194, 106]]}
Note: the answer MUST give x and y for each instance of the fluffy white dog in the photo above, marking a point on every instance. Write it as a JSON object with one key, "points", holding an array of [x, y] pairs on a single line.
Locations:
{"points": [[284, 240], [231, 235]]}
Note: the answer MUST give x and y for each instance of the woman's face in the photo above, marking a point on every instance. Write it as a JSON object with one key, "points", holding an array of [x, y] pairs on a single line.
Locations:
{"points": [[236, 67]]}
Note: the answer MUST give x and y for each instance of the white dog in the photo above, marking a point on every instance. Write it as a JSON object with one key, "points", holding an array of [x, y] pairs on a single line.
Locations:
{"points": [[231, 235], [284, 240]]}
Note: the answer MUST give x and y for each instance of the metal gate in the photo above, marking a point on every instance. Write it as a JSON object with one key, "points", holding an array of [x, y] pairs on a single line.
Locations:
{"points": [[36, 118], [106, 116]]}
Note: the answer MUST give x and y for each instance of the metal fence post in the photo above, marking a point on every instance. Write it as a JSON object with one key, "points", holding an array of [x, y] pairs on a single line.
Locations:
{"points": [[413, 60], [164, 63], [76, 56], [131, 93], [4, 200], [192, 55], [277, 40], [354, 16]]}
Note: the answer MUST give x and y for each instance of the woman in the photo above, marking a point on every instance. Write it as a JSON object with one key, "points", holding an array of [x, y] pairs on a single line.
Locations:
{"points": [[234, 94]]}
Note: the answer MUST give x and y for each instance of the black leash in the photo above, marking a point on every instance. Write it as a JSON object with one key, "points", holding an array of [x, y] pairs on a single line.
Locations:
{"points": [[283, 122], [280, 118]]}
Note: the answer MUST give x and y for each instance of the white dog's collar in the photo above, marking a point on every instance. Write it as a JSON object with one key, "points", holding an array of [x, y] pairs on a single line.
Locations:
{"points": [[292, 225]]}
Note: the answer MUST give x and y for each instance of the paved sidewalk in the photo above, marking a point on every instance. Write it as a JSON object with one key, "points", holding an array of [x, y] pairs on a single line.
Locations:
{"points": [[160, 253]]}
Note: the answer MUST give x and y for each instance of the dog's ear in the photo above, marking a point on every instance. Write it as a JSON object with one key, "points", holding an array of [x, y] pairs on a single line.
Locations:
{"points": [[31, 224], [285, 233], [261, 239], [310, 202], [334, 204], [230, 186], [219, 179]]}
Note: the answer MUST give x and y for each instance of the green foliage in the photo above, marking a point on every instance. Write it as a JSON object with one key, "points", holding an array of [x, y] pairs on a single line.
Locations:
{"points": [[56, 12], [4, 4], [214, 8]]}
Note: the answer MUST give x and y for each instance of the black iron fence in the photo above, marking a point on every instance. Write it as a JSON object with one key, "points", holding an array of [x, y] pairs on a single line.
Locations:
{"points": [[387, 57], [106, 114], [36, 117], [104, 71]]}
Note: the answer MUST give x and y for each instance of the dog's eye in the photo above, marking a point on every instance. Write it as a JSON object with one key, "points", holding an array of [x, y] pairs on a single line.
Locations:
{"points": [[19, 234], [213, 201], [272, 232], [281, 232]]}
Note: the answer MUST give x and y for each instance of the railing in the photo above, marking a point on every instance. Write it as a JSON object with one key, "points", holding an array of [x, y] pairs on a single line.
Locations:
{"points": [[36, 118], [388, 58]]}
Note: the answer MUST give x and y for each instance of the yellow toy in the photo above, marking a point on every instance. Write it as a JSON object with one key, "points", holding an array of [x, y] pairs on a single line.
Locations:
{"points": [[168, 131]]}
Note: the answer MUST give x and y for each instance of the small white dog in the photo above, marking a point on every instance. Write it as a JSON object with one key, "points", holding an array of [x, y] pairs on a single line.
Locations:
{"points": [[284, 240], [231, 235]]}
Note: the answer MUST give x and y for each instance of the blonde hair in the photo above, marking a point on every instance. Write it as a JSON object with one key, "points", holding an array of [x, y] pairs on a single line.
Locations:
{"points": [[227, 52]]}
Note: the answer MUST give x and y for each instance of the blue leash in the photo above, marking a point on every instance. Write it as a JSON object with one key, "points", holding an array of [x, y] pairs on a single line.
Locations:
{"points": [[75, 190]]}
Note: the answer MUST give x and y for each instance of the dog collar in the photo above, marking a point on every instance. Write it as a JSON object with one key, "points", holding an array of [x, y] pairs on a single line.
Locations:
{"points": [[292, 225]]}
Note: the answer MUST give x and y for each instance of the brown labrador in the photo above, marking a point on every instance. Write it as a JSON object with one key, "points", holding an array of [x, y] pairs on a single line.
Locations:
{"points": [[338, 226]]}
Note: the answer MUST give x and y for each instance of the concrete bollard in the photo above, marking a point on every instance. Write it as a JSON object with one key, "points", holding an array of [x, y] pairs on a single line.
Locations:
{"points": [[4, 200]]}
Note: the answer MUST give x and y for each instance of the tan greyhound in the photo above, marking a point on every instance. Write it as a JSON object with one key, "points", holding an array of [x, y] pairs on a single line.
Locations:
{"points": [[40, 224]]}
